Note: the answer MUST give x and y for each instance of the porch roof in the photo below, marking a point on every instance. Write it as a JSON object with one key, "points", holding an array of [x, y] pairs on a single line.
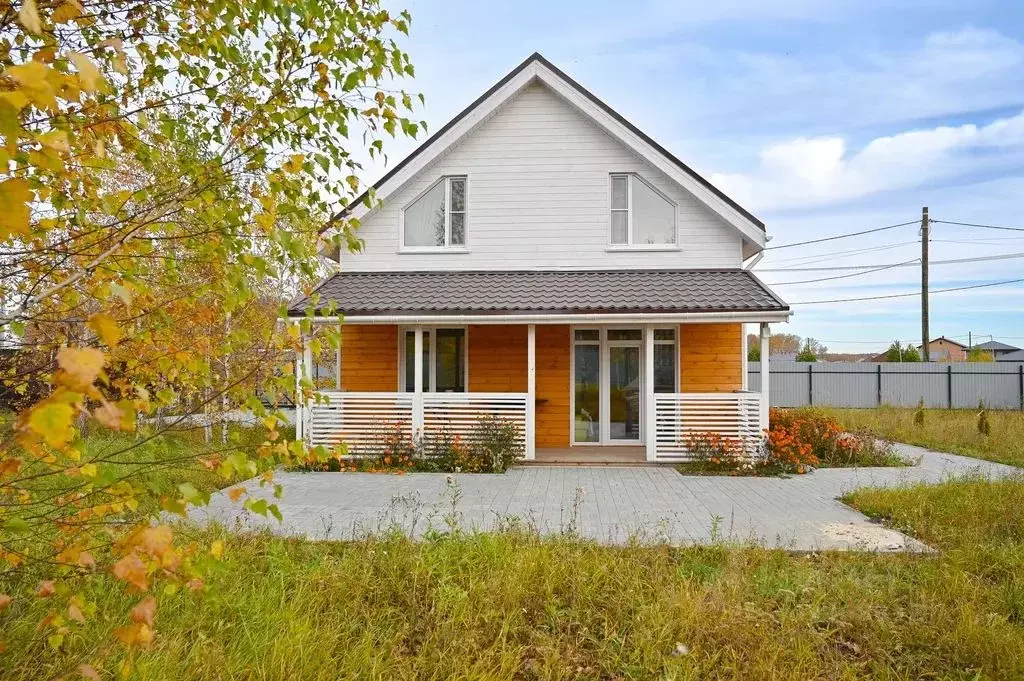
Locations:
{"points": [[542, 293]]}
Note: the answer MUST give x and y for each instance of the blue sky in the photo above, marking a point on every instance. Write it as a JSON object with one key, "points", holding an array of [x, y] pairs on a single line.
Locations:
{"points": [[820, 117]]}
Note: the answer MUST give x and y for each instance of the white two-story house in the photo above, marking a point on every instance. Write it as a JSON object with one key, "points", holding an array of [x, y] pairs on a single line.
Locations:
{"points": [[541, 258]]}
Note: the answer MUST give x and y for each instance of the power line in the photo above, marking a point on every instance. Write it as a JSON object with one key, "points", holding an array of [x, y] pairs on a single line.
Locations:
{"points": [[972, 224], [822, 257], [907, 295], [841, 236], [845, 276], [837, 268]]}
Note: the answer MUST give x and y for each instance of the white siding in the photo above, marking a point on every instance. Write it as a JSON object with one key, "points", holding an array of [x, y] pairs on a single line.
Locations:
{"points": [[539, 198]]}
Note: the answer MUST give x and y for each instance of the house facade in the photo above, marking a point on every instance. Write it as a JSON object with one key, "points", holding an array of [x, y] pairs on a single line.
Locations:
{"points": [[943, 349], [541, 259]]}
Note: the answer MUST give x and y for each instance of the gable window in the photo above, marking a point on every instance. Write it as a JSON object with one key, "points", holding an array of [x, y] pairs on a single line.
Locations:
{"points": [[640, 214], [437, 218]]}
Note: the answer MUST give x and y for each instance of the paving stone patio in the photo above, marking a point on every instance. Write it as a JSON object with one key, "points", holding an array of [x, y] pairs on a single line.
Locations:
{"points": [[650, 504]]}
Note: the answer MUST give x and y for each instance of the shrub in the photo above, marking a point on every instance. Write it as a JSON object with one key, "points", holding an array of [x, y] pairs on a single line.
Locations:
{"points": [[800, 438], [497, 440], [984, 427], [919, 414], [787, 448], [492, 447], [714, 452]]}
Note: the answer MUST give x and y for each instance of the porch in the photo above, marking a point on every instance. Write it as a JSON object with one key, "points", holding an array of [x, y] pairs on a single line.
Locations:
{"points": [[576, 393]]}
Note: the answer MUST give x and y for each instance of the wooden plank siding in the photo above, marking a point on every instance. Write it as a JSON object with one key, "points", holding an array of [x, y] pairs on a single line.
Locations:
{"points": [[538, 197], [711, 361], [497, 358], [553, 385], [712, 358], [369, 357]]}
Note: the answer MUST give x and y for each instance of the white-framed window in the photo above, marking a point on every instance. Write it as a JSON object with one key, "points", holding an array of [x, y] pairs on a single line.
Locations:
{"points": [[640, 215], [445, 361], [436, 219]]}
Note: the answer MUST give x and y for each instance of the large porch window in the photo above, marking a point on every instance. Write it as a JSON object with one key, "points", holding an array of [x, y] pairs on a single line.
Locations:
{"points": [[445, 369]]}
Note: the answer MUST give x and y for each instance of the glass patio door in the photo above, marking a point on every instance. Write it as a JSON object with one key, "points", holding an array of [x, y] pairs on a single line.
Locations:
{"points": [[624, 393], [607, 386]]}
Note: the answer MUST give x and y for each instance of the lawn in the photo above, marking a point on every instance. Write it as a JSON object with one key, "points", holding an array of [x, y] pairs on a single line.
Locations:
{"points": [[947, 430], [512, 605]]}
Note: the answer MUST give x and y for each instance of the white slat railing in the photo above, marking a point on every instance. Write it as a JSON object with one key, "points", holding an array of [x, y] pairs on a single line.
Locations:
{"points": [[459, 413], [735, 416], [358, 419], [362, 419]]}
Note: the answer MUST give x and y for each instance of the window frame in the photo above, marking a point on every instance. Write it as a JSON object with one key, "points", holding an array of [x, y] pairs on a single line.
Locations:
{"points": [[448, 247], [677, 355], [431, 333], [629, 245]]}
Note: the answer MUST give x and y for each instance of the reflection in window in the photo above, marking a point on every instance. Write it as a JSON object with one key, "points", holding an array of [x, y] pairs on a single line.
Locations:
{"points": [[438, 217]]}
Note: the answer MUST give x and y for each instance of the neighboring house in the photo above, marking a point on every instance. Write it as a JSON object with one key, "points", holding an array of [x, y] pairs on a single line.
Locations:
{"points": [[1014, 356], [997, 350], [542, 259], [942, 349]]}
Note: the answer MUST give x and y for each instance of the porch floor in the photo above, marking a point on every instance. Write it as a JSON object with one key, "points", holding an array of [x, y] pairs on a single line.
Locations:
{"points": [[591, 454]]}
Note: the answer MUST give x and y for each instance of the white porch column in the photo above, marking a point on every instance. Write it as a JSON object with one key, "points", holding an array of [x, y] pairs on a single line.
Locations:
{"points": [[299, 415], [531, 391], [766, 335], [417, 398], [650, 415], [307, 373]]}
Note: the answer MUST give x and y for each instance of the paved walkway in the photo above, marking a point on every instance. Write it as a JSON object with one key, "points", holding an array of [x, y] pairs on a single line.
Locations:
{"points": [[608, 504]]}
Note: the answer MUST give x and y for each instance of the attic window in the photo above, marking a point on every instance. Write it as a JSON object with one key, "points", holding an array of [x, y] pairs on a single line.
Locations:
{"points": [[437, 218], [640, 214]]}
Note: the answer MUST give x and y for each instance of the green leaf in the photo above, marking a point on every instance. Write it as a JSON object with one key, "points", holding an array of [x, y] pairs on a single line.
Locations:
{"points": [[256, 506], [16, 526], [274, 511]]}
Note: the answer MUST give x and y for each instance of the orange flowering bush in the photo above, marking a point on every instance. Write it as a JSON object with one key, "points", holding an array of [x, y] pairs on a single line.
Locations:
{"points": [[786, 447], [802, 438]]}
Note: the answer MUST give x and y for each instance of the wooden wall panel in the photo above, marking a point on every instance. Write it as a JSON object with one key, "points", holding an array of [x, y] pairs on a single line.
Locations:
{"points": [[369, 357], [553, 383], [712, 357], [497, 358]]}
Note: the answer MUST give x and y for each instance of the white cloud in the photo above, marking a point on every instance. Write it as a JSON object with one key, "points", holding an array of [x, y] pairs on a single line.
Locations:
{"points": [[821, 170]]}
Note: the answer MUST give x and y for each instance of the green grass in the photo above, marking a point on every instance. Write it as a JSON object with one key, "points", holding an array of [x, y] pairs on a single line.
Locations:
{"points": [[947, 430], [515, 606]]}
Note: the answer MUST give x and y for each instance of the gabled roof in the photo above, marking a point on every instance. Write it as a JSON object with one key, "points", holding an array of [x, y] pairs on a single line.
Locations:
{"points": [[943, 338], [997, 346], [543, 293], [536, 67]]}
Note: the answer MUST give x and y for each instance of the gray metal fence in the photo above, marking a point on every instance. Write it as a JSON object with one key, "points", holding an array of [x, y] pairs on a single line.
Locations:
{"points": [[870, 384]]}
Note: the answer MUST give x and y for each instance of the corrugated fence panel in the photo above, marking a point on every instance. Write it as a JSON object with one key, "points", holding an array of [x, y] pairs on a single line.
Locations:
{"points": [[903, 387], [868, 384]]}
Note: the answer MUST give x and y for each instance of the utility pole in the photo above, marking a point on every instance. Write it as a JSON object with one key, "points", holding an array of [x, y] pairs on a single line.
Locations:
{"points": [[924, 284]]}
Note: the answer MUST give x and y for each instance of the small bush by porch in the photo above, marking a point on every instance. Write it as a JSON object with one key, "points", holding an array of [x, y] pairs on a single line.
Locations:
{"points": [[798, 441]]}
